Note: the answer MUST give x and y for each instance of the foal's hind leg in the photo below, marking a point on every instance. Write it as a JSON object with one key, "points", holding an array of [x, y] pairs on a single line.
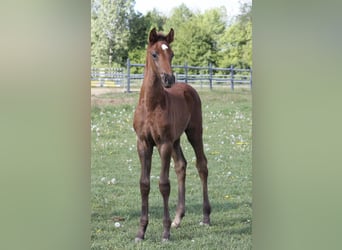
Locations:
{"points": [[180, 168], [195, 138]]}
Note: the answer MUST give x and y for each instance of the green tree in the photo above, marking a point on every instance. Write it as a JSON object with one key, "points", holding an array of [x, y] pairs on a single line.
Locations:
{"points": [[137, 28], [236, 42], [110, 30], [196, 35], [212, 24], [180, 16], [137, 40], [179, 20], [200, 38], [140, 27], [155, 19]]}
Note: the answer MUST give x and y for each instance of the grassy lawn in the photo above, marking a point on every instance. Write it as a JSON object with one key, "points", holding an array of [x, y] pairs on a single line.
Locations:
{"points": [[115, 170]]}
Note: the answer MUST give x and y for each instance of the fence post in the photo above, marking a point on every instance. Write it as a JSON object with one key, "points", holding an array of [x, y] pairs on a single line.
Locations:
{"points": [[186, 72], [231, 77], [128, 76], [102, 75], [210, 76], [250, 77]]}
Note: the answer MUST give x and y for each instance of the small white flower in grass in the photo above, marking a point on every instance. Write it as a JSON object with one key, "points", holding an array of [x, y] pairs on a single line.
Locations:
{"points": [[112, 181], [103, 179], [117, 224]]}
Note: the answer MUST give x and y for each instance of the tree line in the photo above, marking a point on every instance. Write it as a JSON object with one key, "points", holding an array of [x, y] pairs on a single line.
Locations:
{"points": [[118, 33]]}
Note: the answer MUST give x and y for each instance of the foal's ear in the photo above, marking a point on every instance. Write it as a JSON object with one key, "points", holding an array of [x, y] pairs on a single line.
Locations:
{"points": [[169, 37], [153, 36]]}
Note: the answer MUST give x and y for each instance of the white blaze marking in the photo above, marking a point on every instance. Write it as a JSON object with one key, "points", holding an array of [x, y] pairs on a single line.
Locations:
{"points": [[164, 47]]}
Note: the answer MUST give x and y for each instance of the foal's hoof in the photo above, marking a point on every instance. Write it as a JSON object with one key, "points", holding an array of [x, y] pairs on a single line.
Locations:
{"points": [[137, 240], [165, 237], [175, 225], [204, 224], [165, 240]]}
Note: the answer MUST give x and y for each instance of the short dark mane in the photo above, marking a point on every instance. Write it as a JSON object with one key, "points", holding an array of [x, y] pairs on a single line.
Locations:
{"points": [[160, 37]]}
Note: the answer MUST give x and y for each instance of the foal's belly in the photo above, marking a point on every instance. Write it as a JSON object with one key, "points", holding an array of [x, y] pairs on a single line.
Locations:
{"points": [[159, 134]]}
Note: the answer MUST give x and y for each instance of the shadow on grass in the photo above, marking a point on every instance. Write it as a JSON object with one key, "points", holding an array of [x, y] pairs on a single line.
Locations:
{"points": [[227, 218]]}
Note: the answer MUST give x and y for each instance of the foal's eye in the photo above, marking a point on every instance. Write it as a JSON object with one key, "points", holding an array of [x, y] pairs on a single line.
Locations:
{"points": [[154, 55]]}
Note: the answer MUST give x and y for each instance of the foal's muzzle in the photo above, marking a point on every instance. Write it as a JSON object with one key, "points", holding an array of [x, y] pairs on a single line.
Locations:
{"points": [[168, 80]]}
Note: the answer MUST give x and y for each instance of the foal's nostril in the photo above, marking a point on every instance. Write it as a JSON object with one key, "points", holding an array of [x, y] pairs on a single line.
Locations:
{"points": [[168, 80], [172, 79]]}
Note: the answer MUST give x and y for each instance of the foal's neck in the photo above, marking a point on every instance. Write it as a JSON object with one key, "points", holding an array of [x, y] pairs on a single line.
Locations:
{"points": [[152, 90]]}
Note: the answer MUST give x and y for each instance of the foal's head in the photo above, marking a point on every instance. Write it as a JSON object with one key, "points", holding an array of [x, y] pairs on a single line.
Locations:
{"points": [[160, 55]]}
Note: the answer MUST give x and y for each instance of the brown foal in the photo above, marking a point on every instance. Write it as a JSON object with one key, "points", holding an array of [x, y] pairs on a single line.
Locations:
{"points": [[165, 110]]}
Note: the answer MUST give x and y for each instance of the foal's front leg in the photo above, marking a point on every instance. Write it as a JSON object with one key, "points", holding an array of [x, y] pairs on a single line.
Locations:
{"points": [[180, 168], [145, 155], [164, 185]]}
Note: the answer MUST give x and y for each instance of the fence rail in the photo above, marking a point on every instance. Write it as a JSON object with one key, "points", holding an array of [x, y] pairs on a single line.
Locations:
{"points": [[131, 77]]}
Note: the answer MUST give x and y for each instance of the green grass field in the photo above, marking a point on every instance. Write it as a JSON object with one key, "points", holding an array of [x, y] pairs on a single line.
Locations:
{"points": [[115, 171]]}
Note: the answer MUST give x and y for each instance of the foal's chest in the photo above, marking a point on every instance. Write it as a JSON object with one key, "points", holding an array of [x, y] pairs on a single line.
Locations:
{"points": [[153, 125]]}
